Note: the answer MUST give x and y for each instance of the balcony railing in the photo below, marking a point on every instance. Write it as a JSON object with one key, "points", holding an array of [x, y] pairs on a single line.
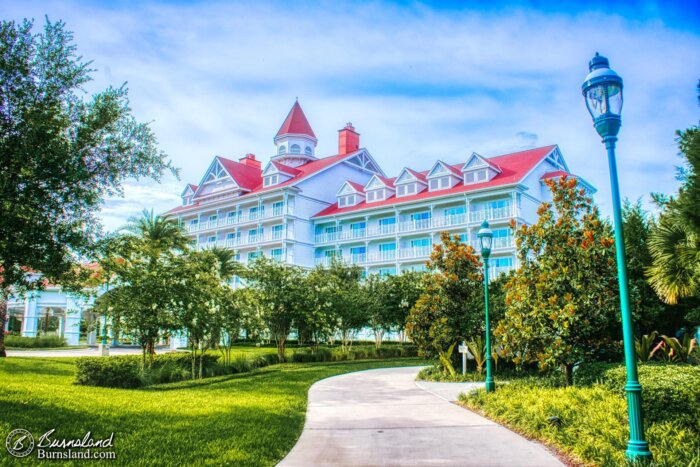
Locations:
{"points": [[240, 218], [416, 225], [415, 252]]}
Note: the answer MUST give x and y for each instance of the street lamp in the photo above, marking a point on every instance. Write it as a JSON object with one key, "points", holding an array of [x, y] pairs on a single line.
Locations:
{"points": [[485, 236], [602, 90]]}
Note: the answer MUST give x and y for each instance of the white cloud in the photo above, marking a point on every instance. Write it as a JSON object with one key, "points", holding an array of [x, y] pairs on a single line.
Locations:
{"points": [[218, 78]]}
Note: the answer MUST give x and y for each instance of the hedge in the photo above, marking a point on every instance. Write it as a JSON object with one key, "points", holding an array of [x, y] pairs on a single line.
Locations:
{"points": [[670, 392], [365, 352], [126, 371], [41, 342]]}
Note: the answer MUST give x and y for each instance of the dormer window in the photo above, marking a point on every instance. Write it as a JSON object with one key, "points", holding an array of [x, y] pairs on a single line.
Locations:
{"points": [[186, 200], [295, 149], [376, 195], [479, 170], [281, 149], [271, 180], [407, 189], [440, 183], [349, 200], [308, 151], [476, 176]]}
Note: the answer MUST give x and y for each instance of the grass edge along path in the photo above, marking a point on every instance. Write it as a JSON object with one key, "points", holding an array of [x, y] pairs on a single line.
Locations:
{"points": [[246, 419], [590, 426]]}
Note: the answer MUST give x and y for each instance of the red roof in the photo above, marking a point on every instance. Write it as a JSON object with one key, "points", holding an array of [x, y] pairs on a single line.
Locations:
{"points": [[285, 168], [386, 180], [514, 167], [296, 123], [245, 174], [356, 186], [419, 175], [556, 174]]}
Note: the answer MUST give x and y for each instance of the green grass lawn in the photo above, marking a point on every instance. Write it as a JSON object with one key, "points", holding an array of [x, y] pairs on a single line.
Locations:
{"points": [[246, 419]]}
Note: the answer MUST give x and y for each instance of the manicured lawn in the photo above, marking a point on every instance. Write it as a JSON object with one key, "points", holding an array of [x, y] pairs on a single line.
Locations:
{"points": [[246, 419]]}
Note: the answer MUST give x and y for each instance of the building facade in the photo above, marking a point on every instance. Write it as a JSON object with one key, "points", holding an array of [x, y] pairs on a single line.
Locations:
{"points": [[306, 210]]}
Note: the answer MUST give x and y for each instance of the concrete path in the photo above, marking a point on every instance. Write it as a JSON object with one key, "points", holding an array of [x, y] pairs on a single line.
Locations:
{"points": [[448, 391], [382, 418]]}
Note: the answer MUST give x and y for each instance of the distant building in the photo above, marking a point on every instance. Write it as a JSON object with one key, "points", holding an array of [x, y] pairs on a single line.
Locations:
{"points": [[305, 210]]}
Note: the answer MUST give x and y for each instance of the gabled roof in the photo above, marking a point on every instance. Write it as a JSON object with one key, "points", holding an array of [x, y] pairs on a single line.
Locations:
{"points": [[514, 168], [387, 182], [420, 176], [296, 123], [454, 170], [484, 161], [245, 176], [285, 169], [556, 174], [190, 187], [303, 172], [355, 187]]}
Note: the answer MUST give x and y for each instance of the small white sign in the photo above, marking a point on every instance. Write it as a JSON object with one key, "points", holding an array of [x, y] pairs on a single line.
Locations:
{"points": [[463, 349]]}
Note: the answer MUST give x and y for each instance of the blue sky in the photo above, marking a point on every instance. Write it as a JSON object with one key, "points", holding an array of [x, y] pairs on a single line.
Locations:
{"points": [[418, 81]]}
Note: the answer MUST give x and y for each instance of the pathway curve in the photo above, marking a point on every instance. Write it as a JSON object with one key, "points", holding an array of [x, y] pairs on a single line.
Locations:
{"points": [[382, 418]]}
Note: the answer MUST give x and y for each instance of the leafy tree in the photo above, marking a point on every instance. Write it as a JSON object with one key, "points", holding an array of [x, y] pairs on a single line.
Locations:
{"points": [[380, 316], [401, 293], [562, 303], [280, 296], [346, 299], [143, 267], [60, 156], [452, 306], [675, 240], [319, 321], [649, 312], [196, 297], [236, 308]]}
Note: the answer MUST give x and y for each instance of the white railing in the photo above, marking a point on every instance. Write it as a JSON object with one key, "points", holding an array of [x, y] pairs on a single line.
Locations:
{"points": [[415, 252], [491, 214], [494, 272], [413, 225], [358, 258], [388, 255], [240, 218]]}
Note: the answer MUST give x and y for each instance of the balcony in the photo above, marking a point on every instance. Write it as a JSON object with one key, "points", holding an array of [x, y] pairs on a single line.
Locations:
{"points": [[497, 271], [240, 218], [415, 252], [491, 214], [415, 225], [381, 256]]}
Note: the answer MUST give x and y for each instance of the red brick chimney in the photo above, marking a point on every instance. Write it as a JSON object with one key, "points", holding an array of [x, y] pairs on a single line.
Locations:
{"points": [[250, 161], [348, 140]]}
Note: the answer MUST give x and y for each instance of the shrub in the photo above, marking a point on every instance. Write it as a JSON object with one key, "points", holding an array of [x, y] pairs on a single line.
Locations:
{"points": [[589, 423], [126, 371], [34, 342], [363, 352], [671, 392]]}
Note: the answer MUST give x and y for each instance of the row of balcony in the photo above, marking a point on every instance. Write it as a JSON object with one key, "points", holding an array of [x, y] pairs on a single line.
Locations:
{"points": [[416, 252], [248, 241], [239, 218], [417, 225]]}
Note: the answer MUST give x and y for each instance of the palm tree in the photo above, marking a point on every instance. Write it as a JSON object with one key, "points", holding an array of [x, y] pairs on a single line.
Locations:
{"points": [[675, 251], [160, 232], [228, 266]]}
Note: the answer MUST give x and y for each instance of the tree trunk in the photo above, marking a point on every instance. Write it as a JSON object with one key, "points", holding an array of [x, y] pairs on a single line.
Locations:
{"points": [[569, 373], [4, 295], [281, 344], [201, 362], [194, 359]]}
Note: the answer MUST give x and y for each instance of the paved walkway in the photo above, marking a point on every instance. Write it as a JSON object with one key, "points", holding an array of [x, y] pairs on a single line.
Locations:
{"points": [[383, 418]]}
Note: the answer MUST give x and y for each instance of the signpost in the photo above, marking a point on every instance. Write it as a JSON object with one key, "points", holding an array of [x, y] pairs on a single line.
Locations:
{"points": [[463, 350]]}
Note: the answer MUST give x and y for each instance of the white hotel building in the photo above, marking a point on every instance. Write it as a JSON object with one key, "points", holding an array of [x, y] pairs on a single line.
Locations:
{"points": [[304, 209]]}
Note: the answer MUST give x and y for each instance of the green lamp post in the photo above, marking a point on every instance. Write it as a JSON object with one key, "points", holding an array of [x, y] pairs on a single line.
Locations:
{"points": [[485, 236], [602, 90]]}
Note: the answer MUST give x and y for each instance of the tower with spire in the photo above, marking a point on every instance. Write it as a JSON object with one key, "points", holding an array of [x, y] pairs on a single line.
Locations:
{"points": [[295, 141]]}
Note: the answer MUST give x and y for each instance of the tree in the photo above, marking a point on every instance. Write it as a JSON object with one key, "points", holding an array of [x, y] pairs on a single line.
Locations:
{"points": [[318, 322], [280, 296], [144, 268], [236, 309], [452, 306], [649, 312], [562, 303], [675, 240], [345, 299], [61, 155]]}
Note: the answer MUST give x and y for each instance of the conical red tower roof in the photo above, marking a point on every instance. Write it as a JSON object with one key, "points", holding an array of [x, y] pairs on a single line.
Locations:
{"points": [[296, 123]]}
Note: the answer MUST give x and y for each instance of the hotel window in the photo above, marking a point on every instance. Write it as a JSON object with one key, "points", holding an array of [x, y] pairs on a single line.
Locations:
{"points": [[231, 214], [401, 190], [387, 272], [277, 231], [410, 188], [271, 180], [481, 175], [194, 221], [455, 211], [282, 149], [469, 177], [277, 208], [212, 218], [252, 235], [211, 239], [253, 213], [358, 229], [295, 149], [276, 254], [253, 255], [308, 150]]}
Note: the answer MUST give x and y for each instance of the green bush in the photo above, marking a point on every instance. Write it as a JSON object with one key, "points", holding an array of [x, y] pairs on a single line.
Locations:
{"points": [[548, 379], [589, 423], [670, 392], [41, 342], [126, 371], [360, 352]]}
